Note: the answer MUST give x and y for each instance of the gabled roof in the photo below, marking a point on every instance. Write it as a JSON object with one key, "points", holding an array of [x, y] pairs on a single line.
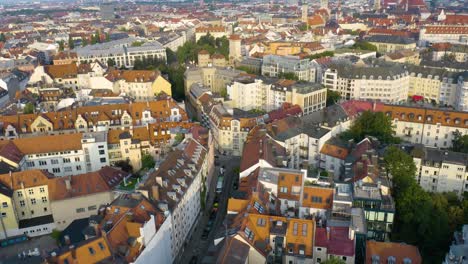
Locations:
{"points": [[385, 250], [133, 76], [63, 71], [25, 179], [46, 144]]}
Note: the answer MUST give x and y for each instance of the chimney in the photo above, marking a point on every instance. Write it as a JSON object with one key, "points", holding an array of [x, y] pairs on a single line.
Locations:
{"points": [[68, 183], [328, 233], [67, 240], [155, 192]]}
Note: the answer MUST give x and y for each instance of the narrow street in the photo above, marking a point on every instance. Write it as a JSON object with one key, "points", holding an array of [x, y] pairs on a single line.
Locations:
{"points": [[196, 247]]}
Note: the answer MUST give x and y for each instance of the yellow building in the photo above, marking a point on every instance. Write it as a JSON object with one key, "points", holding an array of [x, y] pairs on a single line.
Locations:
{"points": [[8, 218], [425, 82], [386, 43]]}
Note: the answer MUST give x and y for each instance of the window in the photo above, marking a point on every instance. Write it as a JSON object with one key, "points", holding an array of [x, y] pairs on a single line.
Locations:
{"points": [[91, 250], [56, 170], [77, 159], [33, 201], [30, 164], [78, 167], [284, 189], [80, 210], [249, 233], [42, 163], [92, 207], [101, 146], [44, 199], [32, 212], [316, 199], [22, 203], [41, 189], [19, 193], [45, 209], [295, 229], [101, 152], [67, 169], [4, 214], [54, 161], [259, 208], [4, 204], [103, 160], [66, 160], [304, 229], [261, 222], [31, 191], [101, 246]]}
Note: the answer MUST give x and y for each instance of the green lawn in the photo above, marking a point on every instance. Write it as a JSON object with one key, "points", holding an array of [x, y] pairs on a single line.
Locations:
{"points": [[131, 182]]}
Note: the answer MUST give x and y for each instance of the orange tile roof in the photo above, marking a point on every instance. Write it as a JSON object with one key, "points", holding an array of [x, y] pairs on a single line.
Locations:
{"points": [[326, 195], [64, 71], [334, 151], [133, 75], [427, 116], [81, 254], [386, 249], [46, 144], [289, 180], [446, 30], [25, 179], [315, 20]]}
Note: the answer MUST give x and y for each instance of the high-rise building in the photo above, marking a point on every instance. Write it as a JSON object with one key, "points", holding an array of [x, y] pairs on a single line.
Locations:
{"points": [[235, 52]]}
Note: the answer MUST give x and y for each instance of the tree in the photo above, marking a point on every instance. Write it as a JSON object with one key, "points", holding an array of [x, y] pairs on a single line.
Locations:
{"points": [[364, 45], [84, 42], [2, 37], [137, 43], [402, 169], [288, 76], [107, 37], [332, 97], [71, 43], [375, 124], [147, 162], [61, 45], [460, 143], [207, 39], [171, 56], [322, 54], [224, 93], [28, 108]]}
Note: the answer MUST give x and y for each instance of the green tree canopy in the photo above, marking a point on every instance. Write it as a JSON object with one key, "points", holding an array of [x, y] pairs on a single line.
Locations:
{"points": [[61, 45], [332, 97], [147, 162], [71, 43], [322, 54], [364, 45], [288, 76], [460, 142], [333, 260], [28, 108], [375, 124], [2, 37]]}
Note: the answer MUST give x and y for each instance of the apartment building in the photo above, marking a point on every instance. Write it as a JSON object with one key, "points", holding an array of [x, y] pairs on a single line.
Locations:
{"points": [[440, 170], [141, 85], [426, 82], [176, 187], [121, 52], [216, 60], [461, 95], [458, 248], [386, 43], [268, 94], [26, 208], [455, 34], [80, 196], [385, 82], [447, 50], [121, 231], [430, 127], [379, 208], [93, 118], [65, 75], [303, 68]]}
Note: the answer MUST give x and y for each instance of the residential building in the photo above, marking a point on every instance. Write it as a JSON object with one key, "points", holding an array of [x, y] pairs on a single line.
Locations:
{"points": [[91, 118], [440, 170], [235, 50], [30, 202], [334, 242], [142, 85], [260, 93], [207, 60], [9, 220], [455, 34], [442, 51], [378, 206], [461, 95], [403, 56], [430, 127], [80, 196], [65, 75], [390, 252], [275, 66], [65, 58], [121, 52], [426, 82], [387, 82], [391, 43], [177, 186]]}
